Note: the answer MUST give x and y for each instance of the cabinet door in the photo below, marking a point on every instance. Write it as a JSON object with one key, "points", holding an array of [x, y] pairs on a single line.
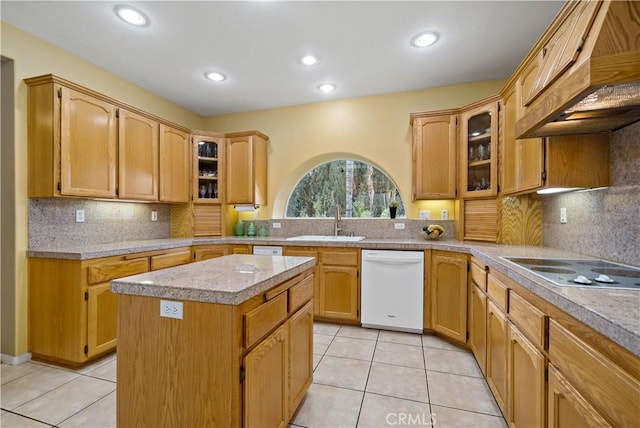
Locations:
{"points": [[210, 252], [479, 137], [308, 252], [240, 173], [137, 157], [87, 146], [265, 383], [207, 220], [478, 325], [101, 319], [300, 355], [497, 354], [175, 165], [434, 157], [526, 389], [567, 408], [208, 155], [339, 293], [449, 294]]}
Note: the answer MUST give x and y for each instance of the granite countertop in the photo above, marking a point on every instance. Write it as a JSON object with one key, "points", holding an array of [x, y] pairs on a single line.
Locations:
{"points": [[612, 312], [229, 280]]}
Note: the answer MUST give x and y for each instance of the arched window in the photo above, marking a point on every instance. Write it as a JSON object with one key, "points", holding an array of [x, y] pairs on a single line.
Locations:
{"points": [[361, 190]]}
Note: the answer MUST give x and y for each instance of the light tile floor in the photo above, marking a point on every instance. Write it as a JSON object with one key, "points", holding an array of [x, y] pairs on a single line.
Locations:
{"points": [[362, 378]]}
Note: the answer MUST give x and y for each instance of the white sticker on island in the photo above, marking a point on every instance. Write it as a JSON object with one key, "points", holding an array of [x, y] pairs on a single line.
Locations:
{"points": [[171, 309]]}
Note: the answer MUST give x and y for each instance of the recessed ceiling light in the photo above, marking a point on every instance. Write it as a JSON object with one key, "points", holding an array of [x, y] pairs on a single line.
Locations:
{"points": [[132, 16], [216, 76], [424, 39], [309, 60], [327, 87]]}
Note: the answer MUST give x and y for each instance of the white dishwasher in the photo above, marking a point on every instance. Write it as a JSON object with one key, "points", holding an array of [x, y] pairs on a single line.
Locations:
{"points": [[392, 290]]}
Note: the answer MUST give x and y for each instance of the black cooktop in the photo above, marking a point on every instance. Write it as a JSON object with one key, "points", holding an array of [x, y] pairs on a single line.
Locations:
{"points": [[582, 273]]}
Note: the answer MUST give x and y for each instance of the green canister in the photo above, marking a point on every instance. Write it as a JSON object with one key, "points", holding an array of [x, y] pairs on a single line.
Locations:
{"points": [[251, 229], [239, 228]]}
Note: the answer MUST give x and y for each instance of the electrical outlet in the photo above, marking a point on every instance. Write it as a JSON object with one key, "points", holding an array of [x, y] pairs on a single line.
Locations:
{"points": [[398, 226], [79, 216], [276, 225], [425, 215], [154, 215], [444, 215], [171, 309], [563, 216]]}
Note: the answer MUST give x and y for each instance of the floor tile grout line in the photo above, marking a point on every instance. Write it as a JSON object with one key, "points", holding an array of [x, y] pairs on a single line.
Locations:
{"points": [[457, 374], [41, 395], [85, 407], [29, 417], [397, 398], [473, 411]]}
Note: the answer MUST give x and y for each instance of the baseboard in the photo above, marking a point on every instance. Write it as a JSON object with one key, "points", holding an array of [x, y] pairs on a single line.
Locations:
{"points": [[14, 361]]}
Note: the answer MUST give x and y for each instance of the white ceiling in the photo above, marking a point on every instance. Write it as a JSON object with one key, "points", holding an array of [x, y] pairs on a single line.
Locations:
{"points": [[364, 47]]}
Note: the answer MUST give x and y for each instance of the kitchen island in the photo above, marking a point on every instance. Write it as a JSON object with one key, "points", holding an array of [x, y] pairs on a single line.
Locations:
{"points": [[223, 342]]}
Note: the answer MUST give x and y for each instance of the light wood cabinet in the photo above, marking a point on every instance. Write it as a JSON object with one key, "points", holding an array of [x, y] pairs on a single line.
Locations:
{"points": [[449, 294], [206, 252], [309, 252], [526, 382], [138, 141], [72, 138], [267, 368], [85, 144], [175, 165], [567, 407], [434, 155], [478, 325], [73, 319], [480, 219], [339, 284], [246, 168], [208, 168], [239, 365], [478, 150], [497, 354]]}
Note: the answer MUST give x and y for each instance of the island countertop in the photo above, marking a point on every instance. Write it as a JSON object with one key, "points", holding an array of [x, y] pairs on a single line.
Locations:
{"points": [[229, 280]]}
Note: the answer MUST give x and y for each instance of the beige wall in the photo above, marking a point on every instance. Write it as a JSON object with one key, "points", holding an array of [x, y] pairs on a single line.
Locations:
{"points": [[375, 129], [33, 57]]}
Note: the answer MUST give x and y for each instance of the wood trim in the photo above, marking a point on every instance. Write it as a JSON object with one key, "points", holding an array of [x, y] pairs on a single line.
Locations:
{"points": [[247, 134], [48, 78]]}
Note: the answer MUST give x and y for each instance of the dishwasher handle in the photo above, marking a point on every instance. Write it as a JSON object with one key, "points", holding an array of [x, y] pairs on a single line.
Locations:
{"points": [[391, 260]]}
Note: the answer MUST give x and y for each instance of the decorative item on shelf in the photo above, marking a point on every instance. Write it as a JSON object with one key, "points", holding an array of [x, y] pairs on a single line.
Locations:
{"points": [[472, 154], [481, 152], [239, 230], [393, 208], [203, 191], [251, 228], [433, 231]]}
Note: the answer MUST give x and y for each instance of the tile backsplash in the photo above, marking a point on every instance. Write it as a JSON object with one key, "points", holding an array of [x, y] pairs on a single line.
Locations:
{"points": [[604, 222], [52, 222]]}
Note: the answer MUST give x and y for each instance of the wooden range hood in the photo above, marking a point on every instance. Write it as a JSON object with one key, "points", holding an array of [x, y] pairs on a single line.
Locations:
{"points": [[588, 76]]}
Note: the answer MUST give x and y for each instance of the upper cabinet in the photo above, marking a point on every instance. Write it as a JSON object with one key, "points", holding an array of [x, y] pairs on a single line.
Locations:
{"points": [[137, 156], [434, 155], [84, 144], [72, 142], [208, 159], [478, 143], [246, 172], [175, 165]]}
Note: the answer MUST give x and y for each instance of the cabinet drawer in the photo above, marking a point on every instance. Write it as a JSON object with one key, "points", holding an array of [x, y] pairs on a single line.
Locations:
{"points": [[497, 291], [300, 252], [529, 319], [171, 259], [300, 294], [339, 257], [263, 319], [605, 385], [479, 276], [116, 269]]}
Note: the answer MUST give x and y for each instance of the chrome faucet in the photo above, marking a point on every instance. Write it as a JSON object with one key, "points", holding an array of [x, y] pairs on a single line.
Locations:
{"points": [[336, 221]]}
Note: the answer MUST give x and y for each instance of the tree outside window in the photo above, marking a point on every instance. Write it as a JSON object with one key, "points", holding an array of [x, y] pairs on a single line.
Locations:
{"points": [[360, 189]]}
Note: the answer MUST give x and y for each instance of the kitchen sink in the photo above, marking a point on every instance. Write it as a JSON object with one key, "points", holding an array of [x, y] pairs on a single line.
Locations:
{"points": [[326, 238]]}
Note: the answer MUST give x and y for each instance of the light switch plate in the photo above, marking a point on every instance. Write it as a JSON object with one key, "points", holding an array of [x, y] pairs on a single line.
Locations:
{"points": [[425, 215], [171, 309], [79, 216], [444, 215], [154, 215], [563, 215]]}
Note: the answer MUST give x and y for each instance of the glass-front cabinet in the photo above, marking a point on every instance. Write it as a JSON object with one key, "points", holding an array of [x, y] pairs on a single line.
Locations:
{"points": [[479, 139], [208, 160]]}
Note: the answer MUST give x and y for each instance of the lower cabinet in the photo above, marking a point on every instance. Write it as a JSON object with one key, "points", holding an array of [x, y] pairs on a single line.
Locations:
{"points": [[300, 356], [526, 388], [567, 407], [337, 285], [206, 252], [449, 294], [74, 317], [497, 354], [266, 385], [478, 325]]}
